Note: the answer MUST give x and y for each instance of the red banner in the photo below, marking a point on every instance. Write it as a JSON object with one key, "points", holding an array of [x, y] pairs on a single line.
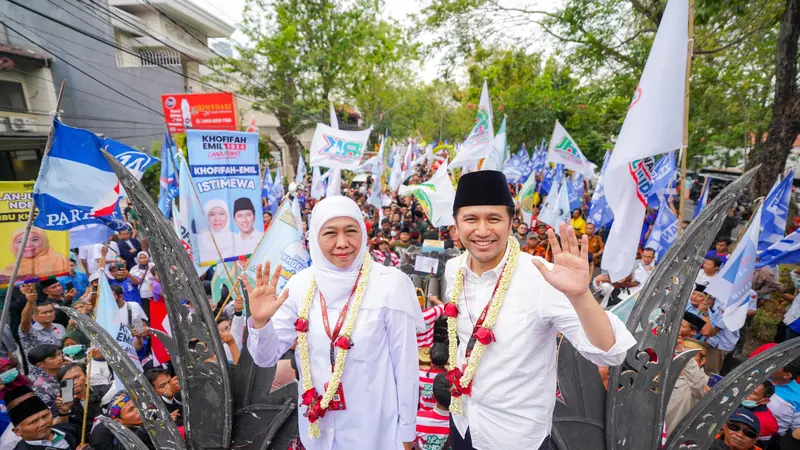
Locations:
{"points": [[202, 111]]}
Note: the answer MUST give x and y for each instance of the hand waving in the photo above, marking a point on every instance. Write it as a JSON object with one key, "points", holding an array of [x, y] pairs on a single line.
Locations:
{"points": [[570, 273], [264, 300]]}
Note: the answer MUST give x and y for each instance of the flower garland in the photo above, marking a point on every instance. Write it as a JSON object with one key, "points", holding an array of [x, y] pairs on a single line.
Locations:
{"points": [[317, 405], [461, 383]]}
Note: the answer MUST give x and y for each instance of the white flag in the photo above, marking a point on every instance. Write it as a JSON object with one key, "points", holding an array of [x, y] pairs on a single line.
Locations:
{"points": [[300, 176], [407, 160], [525, 199], [564, 150], [497, 156], [555, 210], [654, 125], [334, 187], [436, 197], [338, 149], [481, 139], [395, 178], [318, 183], [333, 118]]}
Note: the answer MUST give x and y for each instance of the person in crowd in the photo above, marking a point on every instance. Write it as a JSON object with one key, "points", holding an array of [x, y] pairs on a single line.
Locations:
{"points": [[56, 295], [10, 377], [756, 402], [531, 243], [710, 268], [119, 276], [384, 251], [522, 345], [692, 383], [644, 266], [541, 230], [244, 216], [104, 254], [721, 340], [90, 295], [740, 432], [430, 316], [38, 257], [230, 343], [765, 282], [33, 423], [433, 425], [267, 220], [578, 222], [37, 326], [784, 404], [697, 301], [403, 240], [160, 380], [522, 235], [143, 271], [596, 245], [75, 346], [382, 345], [77, 280], [729, 224], [73, 412], [101, 377], [121, 410], [48, 360], [438, 363], [129, 247], [721, 249], [131, 313]]}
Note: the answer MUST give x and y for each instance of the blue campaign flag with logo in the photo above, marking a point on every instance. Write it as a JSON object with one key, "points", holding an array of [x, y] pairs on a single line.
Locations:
{"points": [[776, 209], [572, 194], [168, 181], [663, 175], [514, 167], [76, 185], [786, 251], [665, 230], [703, 200], [600, 214], [276, 193], [266, 186]]}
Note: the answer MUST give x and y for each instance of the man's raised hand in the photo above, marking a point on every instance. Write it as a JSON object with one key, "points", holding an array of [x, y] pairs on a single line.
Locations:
{"points": [[264, 300], [570, 273]]}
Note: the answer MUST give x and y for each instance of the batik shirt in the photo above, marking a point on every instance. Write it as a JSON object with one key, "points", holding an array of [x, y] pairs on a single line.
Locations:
{"points": [[38, 335], [47, 388]]}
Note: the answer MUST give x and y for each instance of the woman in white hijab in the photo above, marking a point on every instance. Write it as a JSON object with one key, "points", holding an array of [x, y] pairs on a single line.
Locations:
{"points": [[218, 221], [365, 344]]}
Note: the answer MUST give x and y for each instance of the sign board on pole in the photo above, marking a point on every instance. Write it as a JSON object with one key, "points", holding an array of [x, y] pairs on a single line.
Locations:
{"points": [[201, 111]]}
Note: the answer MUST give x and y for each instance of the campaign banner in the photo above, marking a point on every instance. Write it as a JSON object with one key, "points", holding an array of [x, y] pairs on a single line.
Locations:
{"points": [[338, 149], [201, 111], [46, 253], [225, 173]]}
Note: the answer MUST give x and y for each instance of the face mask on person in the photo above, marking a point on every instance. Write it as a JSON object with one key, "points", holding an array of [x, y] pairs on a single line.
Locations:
{"points": [[9, 375], [394, 233], [749, 404], [72, 350]]}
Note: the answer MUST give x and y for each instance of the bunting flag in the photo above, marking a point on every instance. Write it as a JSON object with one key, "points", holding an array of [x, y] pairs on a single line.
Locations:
{"points": [[436, 196], [480, 141], [555, 210], [600, 213], [318, 183], [787, 251], [663, 176], [776, 209], [168, 182], [731, 286], [334, 183], [252, 128], [665, 230], [526, 197], [703, 200], [653, 125], [564, 150], [300, 176], [496, 158]]}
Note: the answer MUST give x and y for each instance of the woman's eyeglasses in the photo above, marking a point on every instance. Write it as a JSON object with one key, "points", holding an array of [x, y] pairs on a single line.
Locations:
{"points": [[747, 431]]}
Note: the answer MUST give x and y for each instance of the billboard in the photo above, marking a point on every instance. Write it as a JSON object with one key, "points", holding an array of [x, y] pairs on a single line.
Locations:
{"points": [[201, 111]]}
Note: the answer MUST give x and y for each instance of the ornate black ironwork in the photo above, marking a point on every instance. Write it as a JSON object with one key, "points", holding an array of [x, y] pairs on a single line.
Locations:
{"points": [[155, 417], [637, 396], [127, 437], [200, 360]]}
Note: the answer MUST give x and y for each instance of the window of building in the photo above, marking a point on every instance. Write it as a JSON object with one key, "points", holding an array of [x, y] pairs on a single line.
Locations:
{"points": [[12, 96]]}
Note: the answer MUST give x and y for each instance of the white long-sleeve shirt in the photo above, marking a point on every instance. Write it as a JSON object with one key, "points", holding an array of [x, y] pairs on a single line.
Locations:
{"points": [[380, 378], [514, 388]]}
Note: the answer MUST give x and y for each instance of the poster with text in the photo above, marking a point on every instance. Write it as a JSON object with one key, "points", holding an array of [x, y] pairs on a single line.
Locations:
{"points": [[200, 111], [225, 173], [45, 254]]}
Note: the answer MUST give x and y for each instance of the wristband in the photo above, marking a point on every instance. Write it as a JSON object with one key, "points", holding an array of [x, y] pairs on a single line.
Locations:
{"points": [[237, 313]]}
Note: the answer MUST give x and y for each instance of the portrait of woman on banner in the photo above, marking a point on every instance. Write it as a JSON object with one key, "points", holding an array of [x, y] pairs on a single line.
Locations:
{"points": [[218, 226], [39, 258]]}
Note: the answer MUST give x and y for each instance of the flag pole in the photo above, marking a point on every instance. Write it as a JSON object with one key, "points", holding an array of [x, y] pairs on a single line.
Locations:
{"points": [[29, 223], [685, 147]]}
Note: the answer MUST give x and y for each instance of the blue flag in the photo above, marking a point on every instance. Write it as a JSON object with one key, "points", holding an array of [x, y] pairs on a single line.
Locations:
{"points": [[665, 230], [703, 200], [663, 175], [266, 187], [168, 182], [600, 213], [776, 209], [276, 193], [786, 251], [92, 194], [572, 194]]}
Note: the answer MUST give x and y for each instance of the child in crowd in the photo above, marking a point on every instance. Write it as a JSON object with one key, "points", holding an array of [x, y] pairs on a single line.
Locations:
{"points": [[433, 426], [438, 357]]}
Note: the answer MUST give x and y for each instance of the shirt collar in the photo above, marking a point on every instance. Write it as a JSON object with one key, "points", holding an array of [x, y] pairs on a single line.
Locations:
{"points": [[57, 442], [497, 270]]}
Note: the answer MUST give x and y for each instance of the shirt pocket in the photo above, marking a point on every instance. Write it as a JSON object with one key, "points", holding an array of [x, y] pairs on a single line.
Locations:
{"points": [[368, 336]]}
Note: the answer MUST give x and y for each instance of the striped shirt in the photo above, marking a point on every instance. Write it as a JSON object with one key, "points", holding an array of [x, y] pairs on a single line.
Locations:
{"points": [[426, 377], [425, 338], [433, 429]]}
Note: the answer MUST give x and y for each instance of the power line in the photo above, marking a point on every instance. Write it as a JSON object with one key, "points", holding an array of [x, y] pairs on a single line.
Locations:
{"points": [[75, 116]]}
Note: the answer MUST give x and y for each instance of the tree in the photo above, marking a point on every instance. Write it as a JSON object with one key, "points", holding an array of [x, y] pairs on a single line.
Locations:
{"points": [[302, 53]]}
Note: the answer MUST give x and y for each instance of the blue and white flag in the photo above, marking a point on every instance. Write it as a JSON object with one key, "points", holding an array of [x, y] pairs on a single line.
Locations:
{"points": [[514, 167], [191, 219], [168, 181], [600, 213], [731, 286], [577, 184], [276, 193], [703, 200], [786, 251], [572, 194], [76, 186], [663, 176], [556, 208], [114, 320], [665, 230], [300, 176], [84, 235], [281, 244], [776, 209], [318, 183]]}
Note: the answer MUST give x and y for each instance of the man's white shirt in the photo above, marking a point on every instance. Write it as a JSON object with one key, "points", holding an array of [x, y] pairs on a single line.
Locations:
{"points": [[514, 389], [247, 245]]}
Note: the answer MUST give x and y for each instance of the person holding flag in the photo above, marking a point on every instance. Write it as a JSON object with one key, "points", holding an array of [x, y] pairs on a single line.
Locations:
{"points": [[355, 325]]}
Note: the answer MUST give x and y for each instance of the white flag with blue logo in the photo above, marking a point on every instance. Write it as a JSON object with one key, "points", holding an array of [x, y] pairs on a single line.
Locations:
{"points": [[480, 141], [555, 210], [776, 209], [731, 286], [338, 149], [703, 200], [665, 230], [318, 183], [600, 213], [663, 176], [300, 176], [114, 320], [564, 150], [191, 218], [786, 251]]}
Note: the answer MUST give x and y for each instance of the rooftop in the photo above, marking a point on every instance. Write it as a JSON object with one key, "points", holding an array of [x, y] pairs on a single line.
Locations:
{"points": [[183, 11]]}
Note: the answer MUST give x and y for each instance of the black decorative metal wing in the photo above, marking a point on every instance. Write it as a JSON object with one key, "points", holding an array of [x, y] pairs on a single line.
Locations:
{"points": [[127, 437]]}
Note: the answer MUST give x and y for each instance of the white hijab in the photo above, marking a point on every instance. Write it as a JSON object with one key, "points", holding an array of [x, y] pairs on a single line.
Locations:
{"points": [[333, 282]]}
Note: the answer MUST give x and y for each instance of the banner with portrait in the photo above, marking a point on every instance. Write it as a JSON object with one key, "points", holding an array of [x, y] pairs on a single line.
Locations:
{"points": [[226, 176], [46, 254]]}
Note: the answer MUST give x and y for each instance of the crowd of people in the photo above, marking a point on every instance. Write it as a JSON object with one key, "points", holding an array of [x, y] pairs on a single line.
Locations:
{"points": [[410, 373]]}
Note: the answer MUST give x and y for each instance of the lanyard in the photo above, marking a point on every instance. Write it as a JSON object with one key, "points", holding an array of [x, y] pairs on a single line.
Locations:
{"points": [[482, 317], [338, 327]]}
